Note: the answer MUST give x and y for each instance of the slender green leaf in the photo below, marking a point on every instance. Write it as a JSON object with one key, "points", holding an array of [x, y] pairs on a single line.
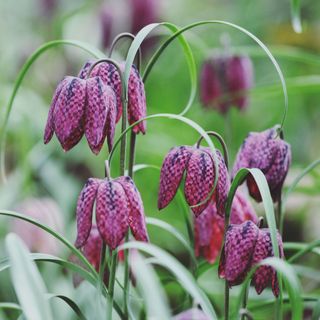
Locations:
{"points": [[185, 278], [10, 305], [27, 281], [295, 16], [173, 231], [70, 303], [291, 282], [316, 311], [307, 248], [149, 285], [141, 35], [55, 234], [313, 247], [234, 26]]}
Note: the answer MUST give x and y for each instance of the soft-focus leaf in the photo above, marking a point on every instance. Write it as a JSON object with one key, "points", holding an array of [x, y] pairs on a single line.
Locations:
{"points": [[27, 281]]}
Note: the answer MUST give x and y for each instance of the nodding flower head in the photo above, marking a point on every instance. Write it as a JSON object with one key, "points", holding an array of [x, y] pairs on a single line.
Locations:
{"points": [[200, 175], [118, 207], [224, 81], [82, 106], [209, 226], [269, 153], [136, 94], [245, 246]]}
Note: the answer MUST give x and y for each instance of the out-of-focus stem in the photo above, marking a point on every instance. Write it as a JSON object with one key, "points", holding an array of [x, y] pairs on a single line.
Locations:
{"points": [[112, 277], [226, 301]]}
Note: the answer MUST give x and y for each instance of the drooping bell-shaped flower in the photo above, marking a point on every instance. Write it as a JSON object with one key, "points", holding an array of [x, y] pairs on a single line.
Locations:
{"points": [[209, 226], [82, 106], [224, 82], [136, 94], [245, 246], [269, 153], [118, 207], [198, 163]]}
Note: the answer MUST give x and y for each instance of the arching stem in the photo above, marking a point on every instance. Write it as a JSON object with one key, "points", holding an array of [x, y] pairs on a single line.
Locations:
{"points": [[222, 143]]}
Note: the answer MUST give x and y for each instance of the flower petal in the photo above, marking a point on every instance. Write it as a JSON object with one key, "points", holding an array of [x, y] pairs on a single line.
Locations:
{"points": [[199, 180], [83, 73], [69, 113], [238, 251], [85, 204], [137, 108], [171, 174], [112, 117], [112, 213], [97, 111], [49, 129], [137, 221]]}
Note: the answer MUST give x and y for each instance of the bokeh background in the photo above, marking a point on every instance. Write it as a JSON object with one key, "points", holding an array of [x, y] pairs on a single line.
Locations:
{"points": [[44, 177]]}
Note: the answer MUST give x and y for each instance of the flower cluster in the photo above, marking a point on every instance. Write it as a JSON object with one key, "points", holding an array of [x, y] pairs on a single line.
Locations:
{"points": [[209, 226], [224, 81], [245, 246], [272, 155], [199, 164], [91, 104], [118, 206]]}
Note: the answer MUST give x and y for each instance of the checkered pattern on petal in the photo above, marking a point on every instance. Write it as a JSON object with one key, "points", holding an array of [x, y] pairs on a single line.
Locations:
{"points": [[85, 204], [269, 154], [199, 180], [242, 209], [137, 108], [137, 221], [112, 213], [83, 73], [49, 129], [112, 116], [223, 185], [92, 248], [172, 171], [69, 112], [97, 111], [238, 251], [265, 275]]}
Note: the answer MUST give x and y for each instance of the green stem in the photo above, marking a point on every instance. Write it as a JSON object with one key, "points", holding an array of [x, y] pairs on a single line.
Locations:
{"points": [[112, 278], [226, 301], [126, 253], [245, 301]]}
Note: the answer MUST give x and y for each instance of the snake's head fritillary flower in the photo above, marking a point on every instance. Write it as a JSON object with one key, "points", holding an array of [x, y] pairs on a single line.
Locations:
{"points": [[235, 261], [118, 207], [46, 211], [245, 246], [269, 153], [67, 113], [82, 106], [137, 109], [224, 81], [209, 226], [199, 165]]}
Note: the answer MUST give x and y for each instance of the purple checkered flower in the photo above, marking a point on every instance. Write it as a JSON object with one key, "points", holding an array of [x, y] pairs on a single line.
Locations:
{"points": [[118, 207], [269, 153], [224, 81], [82, 106], [198, 163], [209, 226], [245, 246], [137, 108]]}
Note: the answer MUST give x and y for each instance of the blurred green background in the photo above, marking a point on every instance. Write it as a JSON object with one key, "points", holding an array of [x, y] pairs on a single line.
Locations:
{"points": [[35, 170]]}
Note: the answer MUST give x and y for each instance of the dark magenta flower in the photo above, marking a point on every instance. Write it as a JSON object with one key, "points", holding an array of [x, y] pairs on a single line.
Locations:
{"points": [[200, 174], [143, 12], [267, 152], [106, 22], [209, 226], [82, 106], [118, 207], [137, 108], [245, 246], [224, 81]]}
